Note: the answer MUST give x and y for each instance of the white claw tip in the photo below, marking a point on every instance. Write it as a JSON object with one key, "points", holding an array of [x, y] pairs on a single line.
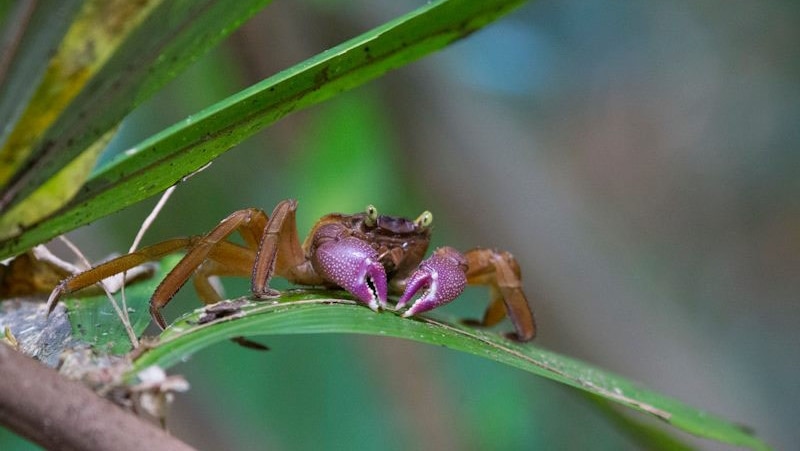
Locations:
{"points": [[373, 304]]}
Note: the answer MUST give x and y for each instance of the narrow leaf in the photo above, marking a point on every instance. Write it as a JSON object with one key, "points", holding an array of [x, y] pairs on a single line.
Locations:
{"points": [[304, 312], [56, 191]]}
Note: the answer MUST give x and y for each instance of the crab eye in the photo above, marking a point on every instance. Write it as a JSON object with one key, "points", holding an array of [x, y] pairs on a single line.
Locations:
{"points": [[372, 216], [424, 220]]}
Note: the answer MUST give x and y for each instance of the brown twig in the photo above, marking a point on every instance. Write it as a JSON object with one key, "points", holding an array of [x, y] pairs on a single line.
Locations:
{"points": [[58, 413]]}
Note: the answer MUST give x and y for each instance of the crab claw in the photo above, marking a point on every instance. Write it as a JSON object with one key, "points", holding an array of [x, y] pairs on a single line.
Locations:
{"points": [[354, 265], [442, 277]]}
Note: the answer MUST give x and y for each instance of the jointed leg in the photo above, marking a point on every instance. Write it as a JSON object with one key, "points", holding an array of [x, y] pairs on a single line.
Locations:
{"points": [[280, 252], [500, 271], [495, 312], [116, 266], [226, 260], [271, 243], [249, 222]]}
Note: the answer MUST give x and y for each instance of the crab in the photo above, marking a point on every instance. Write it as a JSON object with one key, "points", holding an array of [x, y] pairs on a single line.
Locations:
{"points": [[367, 254]]}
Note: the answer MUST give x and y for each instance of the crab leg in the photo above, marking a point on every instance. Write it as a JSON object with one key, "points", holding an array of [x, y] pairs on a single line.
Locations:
{"points": [[280, 252], [500, 271], [442, 277], [116, 266], [249, 222], [226, 259]]}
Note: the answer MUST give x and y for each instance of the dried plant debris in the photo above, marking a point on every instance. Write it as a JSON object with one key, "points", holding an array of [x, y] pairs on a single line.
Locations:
{"points": [[224, 309], [156, 391], [36, 335]]}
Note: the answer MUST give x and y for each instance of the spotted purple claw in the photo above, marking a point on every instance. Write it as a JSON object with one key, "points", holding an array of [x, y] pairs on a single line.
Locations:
{"points": [[441, 278], [353, 265]]}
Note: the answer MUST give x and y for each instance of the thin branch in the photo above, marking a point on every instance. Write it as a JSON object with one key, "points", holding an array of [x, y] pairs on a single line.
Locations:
{"points": [[148, 221], [58, 413]]}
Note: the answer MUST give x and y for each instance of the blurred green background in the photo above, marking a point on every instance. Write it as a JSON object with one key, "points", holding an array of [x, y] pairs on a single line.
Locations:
{"points": [[640, 159]]}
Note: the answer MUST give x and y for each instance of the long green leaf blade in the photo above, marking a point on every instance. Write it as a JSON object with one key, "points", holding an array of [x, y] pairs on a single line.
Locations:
{"points": [[164, 159], [312, 312]]}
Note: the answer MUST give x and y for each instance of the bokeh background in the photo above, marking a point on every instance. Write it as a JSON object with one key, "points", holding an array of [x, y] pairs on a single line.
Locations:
{"points": [[639, 158]]}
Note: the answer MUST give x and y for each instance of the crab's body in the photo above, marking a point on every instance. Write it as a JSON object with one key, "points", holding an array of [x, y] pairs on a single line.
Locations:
{"points": [[400, 243], [367, 254]]}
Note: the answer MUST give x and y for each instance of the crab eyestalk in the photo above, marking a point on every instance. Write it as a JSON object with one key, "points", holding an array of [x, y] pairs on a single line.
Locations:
{"points": [[441, 278], [354, 265], [424, 220], [372, 216]]}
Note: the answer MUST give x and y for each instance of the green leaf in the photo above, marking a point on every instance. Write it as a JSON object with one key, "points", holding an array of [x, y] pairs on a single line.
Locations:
{"points": [[114, 55], [309, 311], [165, 158], [29, 32]]}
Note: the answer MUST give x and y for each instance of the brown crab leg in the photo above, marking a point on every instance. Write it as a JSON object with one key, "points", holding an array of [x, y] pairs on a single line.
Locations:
{"points": [[280, 252], [496, 310], [116, 266], [500, 271], [225, 260], [249, 222]]}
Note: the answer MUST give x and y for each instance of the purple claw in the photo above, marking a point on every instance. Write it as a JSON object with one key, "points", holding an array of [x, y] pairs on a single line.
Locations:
{"points": [[441, 276], [353, 265]]}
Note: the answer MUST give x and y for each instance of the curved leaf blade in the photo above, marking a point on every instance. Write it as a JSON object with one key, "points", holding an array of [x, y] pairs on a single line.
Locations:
{"points": [[182, 149], [307, 311]]}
